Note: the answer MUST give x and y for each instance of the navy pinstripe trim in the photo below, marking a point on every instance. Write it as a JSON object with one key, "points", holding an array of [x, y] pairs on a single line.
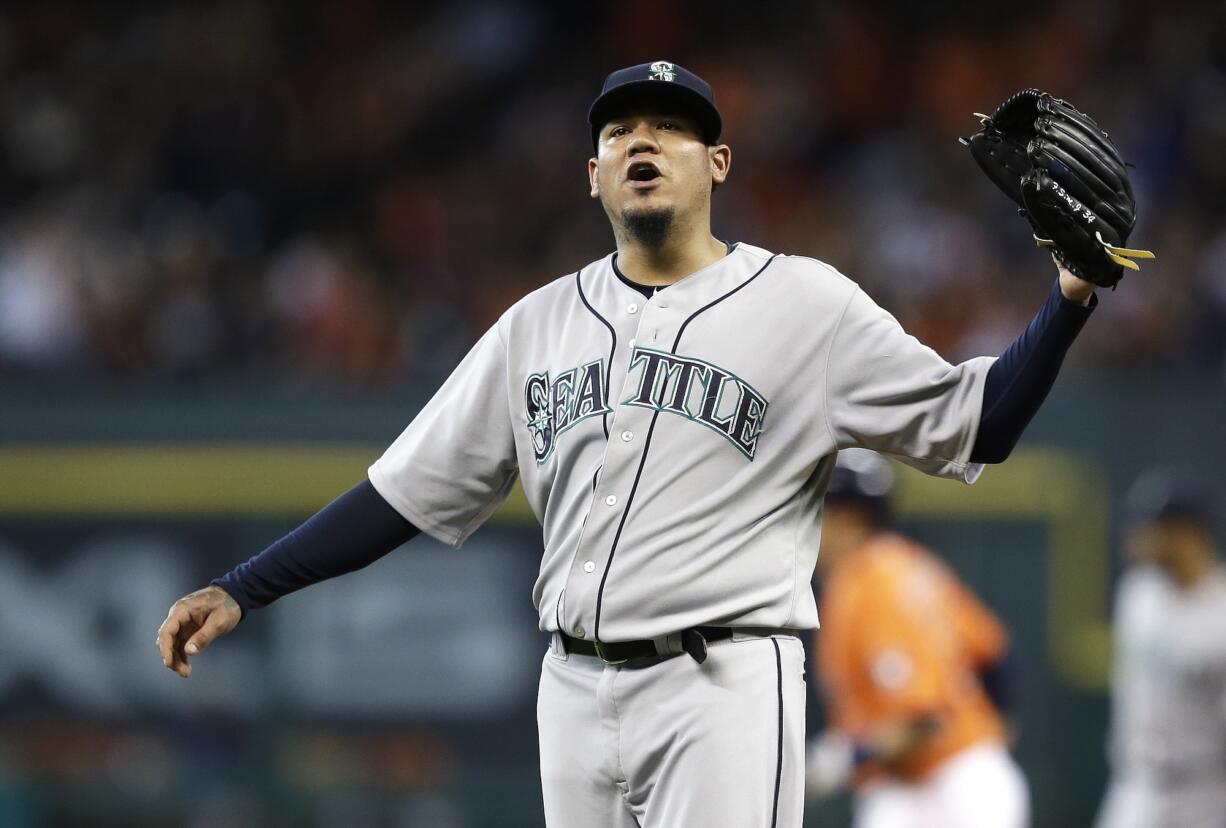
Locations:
{"points": [[622, 523], [608, 371], [647, 444], [715, 302], [779, 748]]}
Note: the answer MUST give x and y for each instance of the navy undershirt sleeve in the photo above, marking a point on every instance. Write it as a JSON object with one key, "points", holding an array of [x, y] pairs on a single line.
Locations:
{"points": [[351, 532], [1018, 382]]}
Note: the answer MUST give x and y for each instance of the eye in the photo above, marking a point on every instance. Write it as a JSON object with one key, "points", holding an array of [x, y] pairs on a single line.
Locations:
{"points": [[669, 125], [618, 131]]}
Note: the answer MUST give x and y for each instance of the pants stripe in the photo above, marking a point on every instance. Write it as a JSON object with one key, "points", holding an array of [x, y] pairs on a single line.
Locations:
{"points": [[779, 749]]}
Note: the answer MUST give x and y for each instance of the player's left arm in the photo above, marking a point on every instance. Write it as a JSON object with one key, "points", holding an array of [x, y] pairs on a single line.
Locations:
{"points": [[1019, 381], [890, 393], [1073, 188]]}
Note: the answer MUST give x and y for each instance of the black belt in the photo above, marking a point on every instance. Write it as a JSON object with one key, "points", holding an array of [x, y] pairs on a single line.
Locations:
{"points": [[693, 641]]}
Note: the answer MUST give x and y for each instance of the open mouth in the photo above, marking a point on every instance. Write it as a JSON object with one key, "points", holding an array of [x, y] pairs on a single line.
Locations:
{"points": [[642, 173]]}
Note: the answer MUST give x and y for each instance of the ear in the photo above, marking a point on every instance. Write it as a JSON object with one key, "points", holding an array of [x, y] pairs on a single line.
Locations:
{"points": [[593, 177], [721, 161]]}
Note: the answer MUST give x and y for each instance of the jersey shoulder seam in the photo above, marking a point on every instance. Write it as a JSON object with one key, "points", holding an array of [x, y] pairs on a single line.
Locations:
{"points": [[826, 266], [409, 511], [834, 437], [753, 250]]}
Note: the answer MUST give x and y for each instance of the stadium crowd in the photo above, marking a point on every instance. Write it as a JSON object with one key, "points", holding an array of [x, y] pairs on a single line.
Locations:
{"points": [[345, 194]]}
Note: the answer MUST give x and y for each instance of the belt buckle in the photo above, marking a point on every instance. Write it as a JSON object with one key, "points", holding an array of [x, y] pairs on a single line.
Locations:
{"points": [[600, 654], [694, 643]]}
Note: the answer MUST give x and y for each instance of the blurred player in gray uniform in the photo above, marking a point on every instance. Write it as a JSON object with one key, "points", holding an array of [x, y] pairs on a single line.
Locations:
{"points": [[673, 411], [1168, 701]]}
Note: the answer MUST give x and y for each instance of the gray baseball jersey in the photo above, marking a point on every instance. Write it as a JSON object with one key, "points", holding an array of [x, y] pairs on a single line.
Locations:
{"points": [[1168, 711], [1169, 691], [675, 449]]}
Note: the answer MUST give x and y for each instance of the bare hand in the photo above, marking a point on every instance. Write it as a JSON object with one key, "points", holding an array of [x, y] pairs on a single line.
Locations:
{"points": [[193, 623], [1074, 288]]}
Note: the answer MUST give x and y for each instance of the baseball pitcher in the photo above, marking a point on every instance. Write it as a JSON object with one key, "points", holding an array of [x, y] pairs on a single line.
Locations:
{"points": [[673, 411]]}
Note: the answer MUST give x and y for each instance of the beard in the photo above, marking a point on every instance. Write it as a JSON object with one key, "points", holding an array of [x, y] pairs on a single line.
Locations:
{"points": [[649, 228]]}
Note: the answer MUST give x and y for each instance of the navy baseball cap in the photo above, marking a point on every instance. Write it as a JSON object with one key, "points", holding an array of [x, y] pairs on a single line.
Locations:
{"points": [[662, 81]]}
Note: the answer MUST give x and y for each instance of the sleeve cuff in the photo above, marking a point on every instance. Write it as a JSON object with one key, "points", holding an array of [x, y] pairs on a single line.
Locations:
{"points": [[410, 512], [231, 587], [1069, 305]]}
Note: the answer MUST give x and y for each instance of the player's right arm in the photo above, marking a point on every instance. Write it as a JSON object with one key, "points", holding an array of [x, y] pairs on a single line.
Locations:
{"points": [[351, 532], [193, 621], [444, 475]]}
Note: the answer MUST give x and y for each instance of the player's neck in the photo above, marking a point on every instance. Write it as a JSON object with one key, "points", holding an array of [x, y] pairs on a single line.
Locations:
{"points": [[678, 257]]}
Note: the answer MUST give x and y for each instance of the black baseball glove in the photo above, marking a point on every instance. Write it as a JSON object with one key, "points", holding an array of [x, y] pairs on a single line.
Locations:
{"points": [[1068, 180]]}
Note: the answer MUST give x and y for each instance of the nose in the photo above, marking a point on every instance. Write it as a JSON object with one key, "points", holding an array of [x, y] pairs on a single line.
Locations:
{"points": [[642, 140]]}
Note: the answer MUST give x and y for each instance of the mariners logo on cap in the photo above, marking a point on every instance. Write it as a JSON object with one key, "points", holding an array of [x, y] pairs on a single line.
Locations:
{"points": [[662, 70]]}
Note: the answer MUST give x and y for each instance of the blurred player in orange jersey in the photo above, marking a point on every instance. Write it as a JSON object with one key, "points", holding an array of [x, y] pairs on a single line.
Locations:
{"points": [[909, 660]]}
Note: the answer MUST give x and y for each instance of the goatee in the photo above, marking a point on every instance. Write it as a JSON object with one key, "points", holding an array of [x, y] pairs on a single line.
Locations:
{"points": [[649, 227]]}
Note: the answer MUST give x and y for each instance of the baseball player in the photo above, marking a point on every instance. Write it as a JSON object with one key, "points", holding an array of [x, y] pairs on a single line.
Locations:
{"points": [[912, 664], [672, 411], [1168, 700]]}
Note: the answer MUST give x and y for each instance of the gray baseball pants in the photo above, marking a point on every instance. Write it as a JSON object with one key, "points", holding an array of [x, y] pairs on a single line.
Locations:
{"points": [[1147, 803], [675, 743]]}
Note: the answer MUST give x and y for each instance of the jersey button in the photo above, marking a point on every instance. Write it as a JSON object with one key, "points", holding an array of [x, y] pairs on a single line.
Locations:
{"points": [[627, 436], [611, 500], [632, 308], [632, 343], [589, 566], [578, 631]]}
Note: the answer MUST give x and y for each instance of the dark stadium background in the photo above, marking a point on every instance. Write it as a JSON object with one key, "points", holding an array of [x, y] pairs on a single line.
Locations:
{"points": [[242, 242]]}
